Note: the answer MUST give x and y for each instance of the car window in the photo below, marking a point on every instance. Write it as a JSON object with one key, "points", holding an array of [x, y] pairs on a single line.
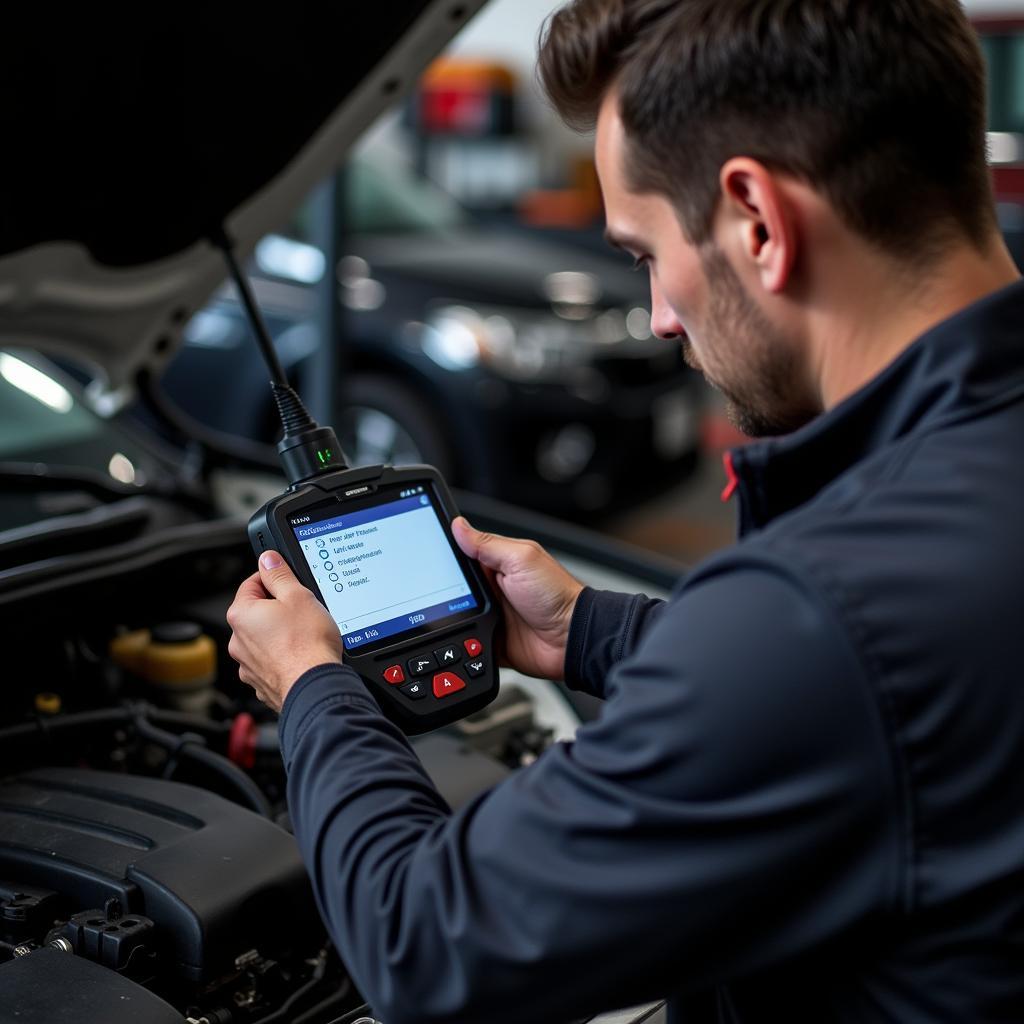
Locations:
{"points": [[1004, 53], [386, 197]]}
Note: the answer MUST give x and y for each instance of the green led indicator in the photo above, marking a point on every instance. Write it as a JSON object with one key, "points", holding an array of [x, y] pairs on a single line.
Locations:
{"points": [[324, 455]]}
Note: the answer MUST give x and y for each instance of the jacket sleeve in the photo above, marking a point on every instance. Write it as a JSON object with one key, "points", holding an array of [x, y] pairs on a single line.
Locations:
{"points": [[606, 627], [734, 805]]}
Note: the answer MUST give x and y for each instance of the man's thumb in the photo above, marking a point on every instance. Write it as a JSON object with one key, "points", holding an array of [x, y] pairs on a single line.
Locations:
{"points": [[276, 574], [468, 538], [484, 547]]}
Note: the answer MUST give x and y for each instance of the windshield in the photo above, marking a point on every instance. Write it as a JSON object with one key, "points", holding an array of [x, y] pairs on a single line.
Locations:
{"points": [[43, 425]]}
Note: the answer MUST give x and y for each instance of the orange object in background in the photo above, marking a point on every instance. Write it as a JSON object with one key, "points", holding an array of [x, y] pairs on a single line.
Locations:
{"points": [[577, 206], [558, 208], [466, 98], [457, 73]]}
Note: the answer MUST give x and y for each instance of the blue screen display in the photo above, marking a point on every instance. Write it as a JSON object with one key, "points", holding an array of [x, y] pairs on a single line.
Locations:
{"points": [[385, 570]]}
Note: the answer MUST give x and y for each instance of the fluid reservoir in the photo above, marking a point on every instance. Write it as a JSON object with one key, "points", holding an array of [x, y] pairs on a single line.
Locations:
{"points": [[175, 659]]}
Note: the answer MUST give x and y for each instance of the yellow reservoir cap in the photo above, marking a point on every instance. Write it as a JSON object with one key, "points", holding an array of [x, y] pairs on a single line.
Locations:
{"points": [[175, 655], [48, 703]]}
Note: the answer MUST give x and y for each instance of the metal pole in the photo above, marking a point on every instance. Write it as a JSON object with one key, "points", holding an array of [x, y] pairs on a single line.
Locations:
{"points": [[323, 371]]}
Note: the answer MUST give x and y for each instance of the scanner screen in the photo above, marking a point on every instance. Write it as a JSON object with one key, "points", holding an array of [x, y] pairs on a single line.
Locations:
{"points": [[386, 570]]}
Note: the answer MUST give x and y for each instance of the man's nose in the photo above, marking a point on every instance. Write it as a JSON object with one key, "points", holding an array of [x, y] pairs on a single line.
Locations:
{"points": [[664, 322]]}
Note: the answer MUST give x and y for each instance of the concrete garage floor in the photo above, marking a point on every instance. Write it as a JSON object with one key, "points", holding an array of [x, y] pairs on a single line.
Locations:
{"points": [[690, 521]]}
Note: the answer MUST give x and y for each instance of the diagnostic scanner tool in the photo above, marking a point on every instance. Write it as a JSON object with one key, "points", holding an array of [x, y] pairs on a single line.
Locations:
{"points": [[417, 617]]}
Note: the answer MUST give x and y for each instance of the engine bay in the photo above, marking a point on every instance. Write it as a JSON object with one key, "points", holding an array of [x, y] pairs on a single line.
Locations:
{"points": [[147, 870]]}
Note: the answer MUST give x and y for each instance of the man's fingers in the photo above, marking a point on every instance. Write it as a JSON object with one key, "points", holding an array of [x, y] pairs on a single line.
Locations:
{"points": [[490, 550], [277, 575], [251, 589], [235, 649]]}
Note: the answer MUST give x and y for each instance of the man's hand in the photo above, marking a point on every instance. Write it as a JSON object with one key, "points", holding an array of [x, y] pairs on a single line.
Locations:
{"points": [[280, 631], [538, 597]]}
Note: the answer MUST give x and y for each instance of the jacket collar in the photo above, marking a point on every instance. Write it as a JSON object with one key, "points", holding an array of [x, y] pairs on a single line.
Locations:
{"points": [[971, 361]]}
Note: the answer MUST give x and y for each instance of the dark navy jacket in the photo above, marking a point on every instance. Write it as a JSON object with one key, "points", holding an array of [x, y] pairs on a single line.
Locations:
{"points": [[804, 799]]}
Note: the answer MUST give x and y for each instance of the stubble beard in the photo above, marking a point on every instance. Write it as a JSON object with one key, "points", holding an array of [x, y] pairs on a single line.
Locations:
{"points": [[759, 374]]}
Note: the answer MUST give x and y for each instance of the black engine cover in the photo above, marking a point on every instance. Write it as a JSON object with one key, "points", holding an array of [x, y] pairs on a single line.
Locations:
{"points": [[47, 987], [216, 879]]}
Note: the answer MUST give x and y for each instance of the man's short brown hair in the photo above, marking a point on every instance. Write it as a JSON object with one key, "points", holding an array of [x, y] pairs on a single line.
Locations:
{"points": [[878, 104]]}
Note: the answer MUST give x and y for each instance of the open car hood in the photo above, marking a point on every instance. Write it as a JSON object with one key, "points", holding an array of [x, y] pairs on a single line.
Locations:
{"points": [[129, 142]]}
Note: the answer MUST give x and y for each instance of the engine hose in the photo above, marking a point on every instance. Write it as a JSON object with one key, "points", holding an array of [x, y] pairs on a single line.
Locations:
{"points": [[142, 718], [189, 748], [193, 723], [43, 728], [283, 1014], [85, 721]]}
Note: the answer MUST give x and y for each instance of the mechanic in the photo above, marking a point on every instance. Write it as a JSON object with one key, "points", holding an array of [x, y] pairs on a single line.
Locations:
{"points": [[804, 798]]}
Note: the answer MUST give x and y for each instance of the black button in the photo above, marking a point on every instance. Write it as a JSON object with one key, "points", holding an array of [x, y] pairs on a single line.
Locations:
{"points": [[475, 668], [448, 656], [414, 691], [422, 665]]}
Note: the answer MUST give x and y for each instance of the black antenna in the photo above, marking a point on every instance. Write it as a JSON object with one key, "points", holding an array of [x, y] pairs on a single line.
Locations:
{"points": [[307, 449]]}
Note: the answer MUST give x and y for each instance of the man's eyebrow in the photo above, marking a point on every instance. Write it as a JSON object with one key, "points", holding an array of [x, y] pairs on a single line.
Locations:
{"points": [[623, 242]]}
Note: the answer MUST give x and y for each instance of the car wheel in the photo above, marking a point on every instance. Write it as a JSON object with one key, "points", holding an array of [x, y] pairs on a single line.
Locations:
{"points": [[384, 421]]}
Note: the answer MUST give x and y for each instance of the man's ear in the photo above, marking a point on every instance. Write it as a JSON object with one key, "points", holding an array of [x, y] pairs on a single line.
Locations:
{"points": [[759, 221]]}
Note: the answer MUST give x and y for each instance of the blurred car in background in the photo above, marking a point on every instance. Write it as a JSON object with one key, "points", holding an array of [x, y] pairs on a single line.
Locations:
{"points": [[1000, 24], [521, 368]]}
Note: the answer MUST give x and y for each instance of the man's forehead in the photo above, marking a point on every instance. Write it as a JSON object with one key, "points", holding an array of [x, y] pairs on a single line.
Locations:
{"points": [[610, 135], [627, 212], [609, 156]]}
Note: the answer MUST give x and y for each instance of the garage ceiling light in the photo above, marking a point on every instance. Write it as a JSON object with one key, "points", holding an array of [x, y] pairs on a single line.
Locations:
{"points": [[42, 388]]}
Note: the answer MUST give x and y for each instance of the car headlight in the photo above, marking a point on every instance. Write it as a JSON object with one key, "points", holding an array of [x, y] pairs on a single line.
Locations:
{"points": [[518, 344]]}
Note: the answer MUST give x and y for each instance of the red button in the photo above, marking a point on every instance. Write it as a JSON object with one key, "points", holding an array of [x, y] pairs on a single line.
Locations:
{"points": [[394, 675], [446, 683], [473, 647]]}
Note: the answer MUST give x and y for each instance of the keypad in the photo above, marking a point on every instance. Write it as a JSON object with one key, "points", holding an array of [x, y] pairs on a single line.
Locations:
{"points": [[394, 675], [449, 667], [422, 664], [450, 655], [447, 683]]}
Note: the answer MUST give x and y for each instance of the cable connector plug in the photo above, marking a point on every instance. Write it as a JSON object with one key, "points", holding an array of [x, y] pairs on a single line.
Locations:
{"points": [[294, 417], [307, 449]]}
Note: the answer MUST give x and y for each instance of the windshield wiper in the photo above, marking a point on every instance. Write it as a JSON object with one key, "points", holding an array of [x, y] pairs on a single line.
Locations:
{"points": [[34, 477]]}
